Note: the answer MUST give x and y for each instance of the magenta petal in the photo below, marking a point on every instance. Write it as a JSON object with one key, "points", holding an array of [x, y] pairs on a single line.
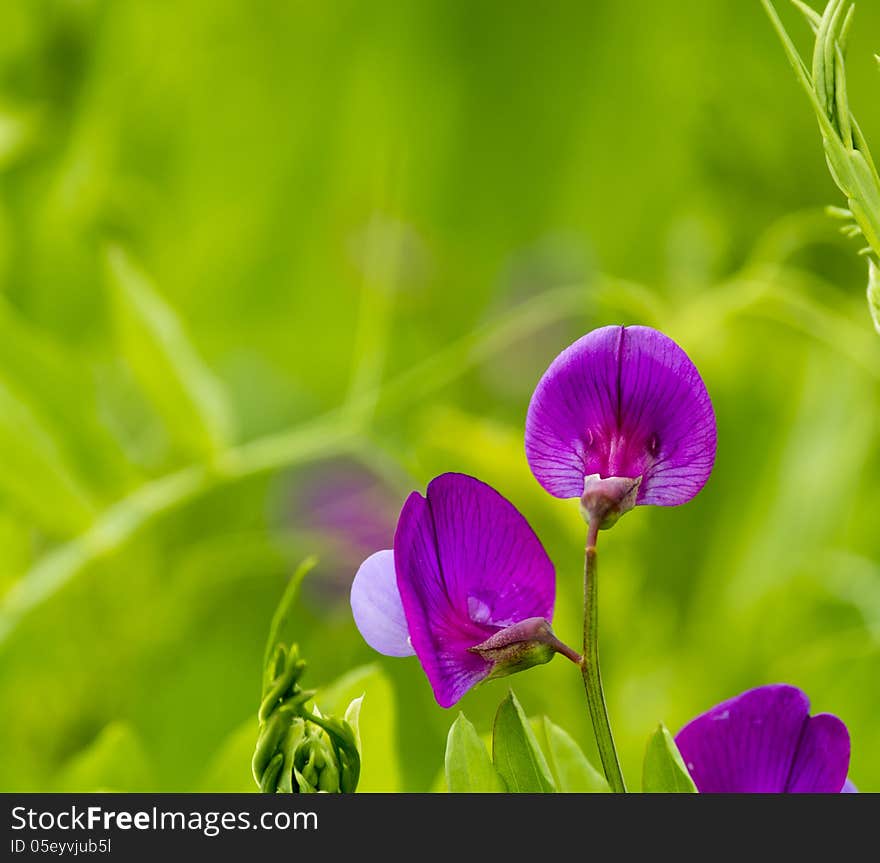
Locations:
{"points": [[627, 402], [747, 744], [439, 634], [494, 567], [822, 760], [467, 564], [376, 606], [849, 787], [571, 411]]}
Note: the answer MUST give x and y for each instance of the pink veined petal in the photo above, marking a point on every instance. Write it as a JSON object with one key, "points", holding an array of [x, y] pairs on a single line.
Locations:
{"points": [[494, 566], [665, 411], [376, 606], [822, 759], [622, 401], [747, 744], [440, 635], [571, 412], [467, 564]]}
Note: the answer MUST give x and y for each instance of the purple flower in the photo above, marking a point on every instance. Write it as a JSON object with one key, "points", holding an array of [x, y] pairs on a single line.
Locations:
{"points": [[468, 588], [765, 741], [622, 403]]}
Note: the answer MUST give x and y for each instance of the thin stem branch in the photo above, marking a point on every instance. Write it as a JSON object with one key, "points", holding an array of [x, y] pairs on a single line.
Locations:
{"points": [[590, 668], [336, 432], [568, 652]]}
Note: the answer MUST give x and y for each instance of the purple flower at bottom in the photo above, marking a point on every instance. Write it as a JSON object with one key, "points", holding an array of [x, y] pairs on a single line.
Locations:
{"points": [[622, 418], [765, 741], [468, 588]]}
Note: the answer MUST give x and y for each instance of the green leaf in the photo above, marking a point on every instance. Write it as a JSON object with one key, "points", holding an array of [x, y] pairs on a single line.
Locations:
{"points": [[376, 721], [469, 768], [282, 610], [874, 293], [56, 385], [35, 475], [847, 154], [184, 392], [353, 718], [114, 761], [572, 771], [664, 770], [516, 753]]}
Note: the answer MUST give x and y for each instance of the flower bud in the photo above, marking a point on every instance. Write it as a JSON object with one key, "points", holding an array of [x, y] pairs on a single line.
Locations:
{"points": [[300, 750], [518, 647], [329, 778], [604, 501], [315, 763]]}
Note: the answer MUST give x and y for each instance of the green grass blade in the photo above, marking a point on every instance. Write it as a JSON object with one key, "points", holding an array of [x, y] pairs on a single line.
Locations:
{"points": [[152, 339], [35, 475], [279, 618]]}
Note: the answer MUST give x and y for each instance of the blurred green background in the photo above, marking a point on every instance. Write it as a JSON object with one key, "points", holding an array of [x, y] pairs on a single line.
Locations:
{"points": [[268, 266]]}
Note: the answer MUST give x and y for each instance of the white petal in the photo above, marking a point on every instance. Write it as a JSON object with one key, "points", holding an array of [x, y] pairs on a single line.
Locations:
{"points": [[376, 606]]}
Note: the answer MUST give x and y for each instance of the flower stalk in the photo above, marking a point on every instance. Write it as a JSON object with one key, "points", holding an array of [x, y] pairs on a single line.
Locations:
{"points": [[590, 667], [621, 418]]}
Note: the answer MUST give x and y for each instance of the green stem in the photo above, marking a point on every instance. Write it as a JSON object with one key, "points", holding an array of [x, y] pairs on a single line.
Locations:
{"points": [[337, 432], [590, 668]]}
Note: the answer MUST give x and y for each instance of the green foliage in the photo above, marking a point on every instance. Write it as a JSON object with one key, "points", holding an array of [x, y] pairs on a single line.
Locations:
{"points": [[846, 148], [874, 293], [515, 751], [114, 761], [300, 749], [664, 770], [372, 244], [528, 756], [376, 726], [161, 357], [35, 475], [572, 771], [281, 616], [469, 769]]}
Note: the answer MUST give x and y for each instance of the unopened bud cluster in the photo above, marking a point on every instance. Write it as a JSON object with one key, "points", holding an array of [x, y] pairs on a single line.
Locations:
{"points": [[299, 750]]}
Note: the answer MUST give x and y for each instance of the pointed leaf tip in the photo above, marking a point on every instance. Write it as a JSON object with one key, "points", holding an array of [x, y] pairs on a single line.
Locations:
{"points": [[353, 716], [515, 751], [469, 768], [571, 769], [664, 769]]}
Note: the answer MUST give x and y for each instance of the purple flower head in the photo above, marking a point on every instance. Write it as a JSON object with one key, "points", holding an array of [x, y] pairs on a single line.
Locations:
{"points": [[623, 404], [765, 741], [468, 588]]}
